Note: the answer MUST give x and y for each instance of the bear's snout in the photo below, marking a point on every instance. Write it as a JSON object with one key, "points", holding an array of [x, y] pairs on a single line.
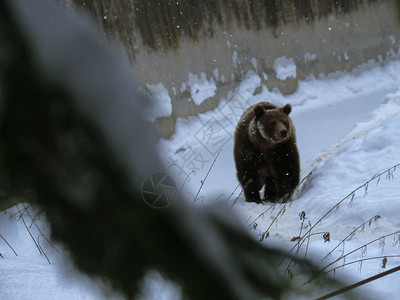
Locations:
{"points": [[284, 133]]}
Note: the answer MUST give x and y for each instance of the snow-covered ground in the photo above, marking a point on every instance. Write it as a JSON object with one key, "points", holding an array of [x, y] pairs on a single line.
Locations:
{"points": [[347, 130]]}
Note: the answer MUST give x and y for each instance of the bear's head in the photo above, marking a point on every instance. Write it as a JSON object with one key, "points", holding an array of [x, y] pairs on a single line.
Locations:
{"points": [[271, 125]]}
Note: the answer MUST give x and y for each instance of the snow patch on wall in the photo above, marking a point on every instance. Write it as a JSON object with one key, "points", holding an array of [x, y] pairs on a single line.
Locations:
{"points": [[183, 87], [234, 59], [285, 68], [160, 102], [265, 76], [201, 88], [254, 63], [309, 57], [216, 74]]}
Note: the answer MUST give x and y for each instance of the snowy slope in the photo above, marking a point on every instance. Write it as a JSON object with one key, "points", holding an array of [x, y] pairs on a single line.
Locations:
{"points": [[325, 111], [347, 127]]}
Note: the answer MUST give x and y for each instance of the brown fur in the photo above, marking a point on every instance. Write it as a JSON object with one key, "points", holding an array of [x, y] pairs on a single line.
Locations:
{"points": [[266, 154]]}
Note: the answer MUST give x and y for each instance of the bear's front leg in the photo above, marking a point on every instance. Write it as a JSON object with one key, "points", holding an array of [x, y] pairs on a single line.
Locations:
{"points": [[270, 192], [252, 191]]}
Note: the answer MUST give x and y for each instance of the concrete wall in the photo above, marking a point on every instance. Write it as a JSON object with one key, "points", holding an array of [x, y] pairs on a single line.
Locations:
{"points": [[319, 37]]}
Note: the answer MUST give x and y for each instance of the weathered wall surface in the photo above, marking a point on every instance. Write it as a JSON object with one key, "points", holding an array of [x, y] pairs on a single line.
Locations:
{"points": [[170, 42]]}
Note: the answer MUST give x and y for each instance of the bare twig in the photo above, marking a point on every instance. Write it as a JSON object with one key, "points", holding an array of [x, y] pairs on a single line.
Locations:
{"points": [[300, 187], [20, 212], [208, 172], [237, 198], [23, 220], [260, 215], [33, 239], [184, 182], [42, 248], [281, 212], [351, 252], [389, 171], [219, 196], [351, 234], [233, 192], [40, 231], [308, 241], [8, 245], [247, 183], [360, 283], [11, 199], [361, 260]]}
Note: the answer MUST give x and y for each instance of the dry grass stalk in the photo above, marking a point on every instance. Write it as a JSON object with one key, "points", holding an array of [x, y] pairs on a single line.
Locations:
{"points": [[350, 197]]}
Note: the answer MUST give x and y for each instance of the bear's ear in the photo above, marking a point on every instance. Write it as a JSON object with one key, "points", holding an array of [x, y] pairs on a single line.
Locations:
{"points": [[258, 111], [287, 109]]}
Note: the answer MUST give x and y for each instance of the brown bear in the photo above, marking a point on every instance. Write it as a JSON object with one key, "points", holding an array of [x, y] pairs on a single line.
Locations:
{"points": [[266, 154]]}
